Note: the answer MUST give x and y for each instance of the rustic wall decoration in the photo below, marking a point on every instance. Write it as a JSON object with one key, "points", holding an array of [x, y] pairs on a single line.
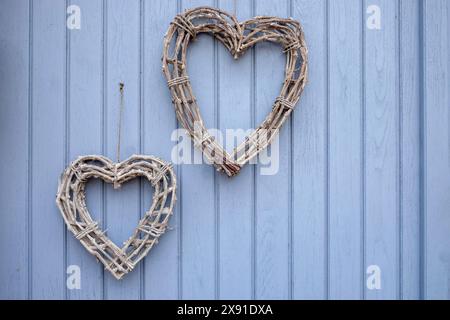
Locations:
{"points": [[71, 200], [237, 37]]}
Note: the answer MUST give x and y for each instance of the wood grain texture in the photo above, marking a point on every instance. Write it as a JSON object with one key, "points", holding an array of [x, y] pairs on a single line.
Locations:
{"points": [[123, 206], [409, 130], [436, 149], [85, 131], [272, 225], [14, 141], [48, 156], [161, 268], [309, 156], [235, 196], [345, 151], [381, 150], [197, 189]]}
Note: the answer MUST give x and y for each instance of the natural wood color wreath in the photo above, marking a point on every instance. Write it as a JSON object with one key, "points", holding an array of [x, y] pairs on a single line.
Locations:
{"points": [[237, 38], [71, 200]]}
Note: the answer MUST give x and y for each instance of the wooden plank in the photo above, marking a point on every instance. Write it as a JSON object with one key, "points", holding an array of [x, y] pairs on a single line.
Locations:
{"points": [[85, 131], [436, 149], [235, 196], [162, 264], [273, 275], [345, 150], [122, 206], [410, 149], [48, 148], [197, 182], [14, 143], [381, 145], [309, 147]]}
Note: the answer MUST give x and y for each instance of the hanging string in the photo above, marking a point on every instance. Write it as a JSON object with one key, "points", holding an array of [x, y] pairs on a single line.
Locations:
{"points": [[119, 123]]}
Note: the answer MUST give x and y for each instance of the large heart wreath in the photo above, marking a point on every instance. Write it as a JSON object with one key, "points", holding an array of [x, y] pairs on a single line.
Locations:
{"points": [[237, 38]]}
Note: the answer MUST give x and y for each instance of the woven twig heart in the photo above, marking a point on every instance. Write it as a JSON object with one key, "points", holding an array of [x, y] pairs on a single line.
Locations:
{"points": [[237, 38], [71, 200]]}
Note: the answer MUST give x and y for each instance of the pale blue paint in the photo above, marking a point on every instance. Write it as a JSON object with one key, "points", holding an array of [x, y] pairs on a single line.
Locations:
{"points": [[364, 170]]}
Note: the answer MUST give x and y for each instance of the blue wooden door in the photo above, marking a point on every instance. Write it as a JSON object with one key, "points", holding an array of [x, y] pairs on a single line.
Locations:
{"points": [[363, 185]]}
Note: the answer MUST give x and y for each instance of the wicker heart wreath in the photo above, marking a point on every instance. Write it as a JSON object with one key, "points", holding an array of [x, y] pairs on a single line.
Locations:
{"points": [[237, 38], [71, 200]]}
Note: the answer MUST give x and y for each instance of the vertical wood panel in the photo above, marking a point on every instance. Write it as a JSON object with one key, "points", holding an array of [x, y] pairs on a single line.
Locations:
{"points": [[198, 181], [436, 148], [14, 95], [310, 160], [48, 148], [410, 148], [345, 150], [235, 195], [272, 191], [382, 150], [123, 65], [161, 264], [85, 131]]}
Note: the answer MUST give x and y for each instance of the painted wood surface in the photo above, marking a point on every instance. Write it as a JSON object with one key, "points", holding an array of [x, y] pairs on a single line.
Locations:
{"points": [[345, 194], [364, 167]]}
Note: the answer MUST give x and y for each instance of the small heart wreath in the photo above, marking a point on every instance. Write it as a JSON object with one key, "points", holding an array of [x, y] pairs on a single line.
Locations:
{"points": [[71, 200], [237, 38]]}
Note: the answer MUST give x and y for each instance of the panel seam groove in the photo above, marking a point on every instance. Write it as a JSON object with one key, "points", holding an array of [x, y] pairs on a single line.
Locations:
{"points": [[291, 189], [141, 133], [30, 153], [423, 147], [66, 134], [363, 150], [400, 152], [104, 124], [254, 167], [215, 177], [327, 153], [180, 207]]}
